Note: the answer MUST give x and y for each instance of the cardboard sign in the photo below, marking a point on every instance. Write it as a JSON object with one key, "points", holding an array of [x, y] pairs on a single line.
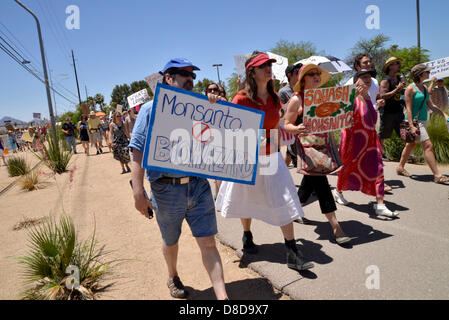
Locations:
{"points": [[153, 80], [119, 108], [440, 68], [279, 67], [138, 98], [329, 109], [26, 136], [188, 135]]}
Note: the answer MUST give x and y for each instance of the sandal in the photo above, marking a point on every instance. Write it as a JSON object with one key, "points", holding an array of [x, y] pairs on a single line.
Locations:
{"points": [[403, 172], [442, 179], [176, 288]]}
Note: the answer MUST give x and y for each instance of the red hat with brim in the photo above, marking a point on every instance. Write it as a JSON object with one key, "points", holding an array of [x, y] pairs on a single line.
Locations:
{"points": [[260, 59]]}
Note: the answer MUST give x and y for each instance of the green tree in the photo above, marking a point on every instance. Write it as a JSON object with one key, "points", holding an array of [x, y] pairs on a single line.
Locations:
{"points": [[119, 94], [295, 51], [136, 86], [233, 83], [200, 86], [374, 48], [99, 100], [410, 57]]}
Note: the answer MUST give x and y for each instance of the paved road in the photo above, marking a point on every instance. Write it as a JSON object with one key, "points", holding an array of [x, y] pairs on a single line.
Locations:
{"points": [[410, 254]]}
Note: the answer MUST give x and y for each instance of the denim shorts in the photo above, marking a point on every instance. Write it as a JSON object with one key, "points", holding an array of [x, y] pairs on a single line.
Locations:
{"points": [[191, 201]]}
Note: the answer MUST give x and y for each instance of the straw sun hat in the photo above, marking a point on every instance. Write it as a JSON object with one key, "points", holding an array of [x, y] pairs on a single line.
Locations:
{"points": [[325, 75]]}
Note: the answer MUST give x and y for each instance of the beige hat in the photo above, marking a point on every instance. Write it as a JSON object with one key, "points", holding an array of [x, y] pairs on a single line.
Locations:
{"points": [[92, 113], [419, 69], [390, 61], [325, 75]]}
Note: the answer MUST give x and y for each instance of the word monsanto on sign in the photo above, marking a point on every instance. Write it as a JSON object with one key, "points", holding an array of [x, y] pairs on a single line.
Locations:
{"points": [[138, 98], [188, 135], [329, 109]]}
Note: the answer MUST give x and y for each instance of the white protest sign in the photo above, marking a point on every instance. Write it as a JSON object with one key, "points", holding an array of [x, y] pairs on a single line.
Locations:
{"points": [[188, 135], [440, 68], [240, 65], [278, 67], [153, 80], [119, 108], [138, 98], [329, 109]]}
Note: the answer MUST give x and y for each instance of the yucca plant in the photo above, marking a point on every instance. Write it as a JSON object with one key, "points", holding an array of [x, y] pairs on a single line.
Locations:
{"points": [[17, 166], [55, 155], [55, 252]]}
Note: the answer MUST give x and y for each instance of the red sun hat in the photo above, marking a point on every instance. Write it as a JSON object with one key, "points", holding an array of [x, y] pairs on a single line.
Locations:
{"points": [[259, 60]]}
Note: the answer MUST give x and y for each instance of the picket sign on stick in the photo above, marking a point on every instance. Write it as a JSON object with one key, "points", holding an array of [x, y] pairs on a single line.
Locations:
{"points": [[329, 109], [138, 98], [188, 135]]}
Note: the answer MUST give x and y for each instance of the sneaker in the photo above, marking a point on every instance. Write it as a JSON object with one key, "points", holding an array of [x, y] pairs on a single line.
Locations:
{"points": [[296, 261], [176, 288], [339, 198], [248, 245], [382, 210]]}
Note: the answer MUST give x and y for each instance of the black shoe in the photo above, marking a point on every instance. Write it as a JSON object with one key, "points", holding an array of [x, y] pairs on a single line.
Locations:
{"points": [[128, 169], [101, 151], [248, 244], [296, 261], [98, 152], [123, 171]]}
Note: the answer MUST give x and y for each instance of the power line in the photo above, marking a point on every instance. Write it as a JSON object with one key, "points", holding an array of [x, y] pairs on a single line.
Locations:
{"points": [[9, 53]]}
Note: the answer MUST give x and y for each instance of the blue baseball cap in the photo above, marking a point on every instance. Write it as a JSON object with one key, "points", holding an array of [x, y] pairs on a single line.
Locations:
{"points": [[179, 63]]}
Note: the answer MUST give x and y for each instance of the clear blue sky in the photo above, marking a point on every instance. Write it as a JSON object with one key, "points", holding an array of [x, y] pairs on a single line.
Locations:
{"points": [[123, 41]]}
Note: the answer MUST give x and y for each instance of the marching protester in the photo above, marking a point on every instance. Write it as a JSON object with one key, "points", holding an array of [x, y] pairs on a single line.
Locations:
{"points": [[69, 130], [12, 141], [417, 102], [391, 89], [312, 76], [105, 126], [2, 149], [285, 93], [273, 197], [94, 131], [439, 94], [119, 141], [84, 134], [175, 197], [130, 120], [361, 150]]}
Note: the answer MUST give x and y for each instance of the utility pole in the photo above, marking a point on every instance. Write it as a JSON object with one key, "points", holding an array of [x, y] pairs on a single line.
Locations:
{"points": [[419, 31], [85, 87], [76, 77], [218, 73], [44, 66]]}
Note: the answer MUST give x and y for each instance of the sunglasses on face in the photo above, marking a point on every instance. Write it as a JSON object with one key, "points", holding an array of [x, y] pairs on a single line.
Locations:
{"points": [[184, 73], [312, 74], [264, 65], [212, 90]]}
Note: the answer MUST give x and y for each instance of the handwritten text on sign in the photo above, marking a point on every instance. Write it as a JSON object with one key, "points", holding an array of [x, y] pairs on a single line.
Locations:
{"points": [[440, 68], [138, 98], [329, 109], [189, 135]]}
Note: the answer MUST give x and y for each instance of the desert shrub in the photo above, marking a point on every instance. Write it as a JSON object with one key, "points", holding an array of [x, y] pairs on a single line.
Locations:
{"points": [[55, 155], [55, 252], [31, 181], [17, 166]]}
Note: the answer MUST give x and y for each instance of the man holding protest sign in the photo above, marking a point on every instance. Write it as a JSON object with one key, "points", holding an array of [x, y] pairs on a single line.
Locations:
{"points": [[176, 197]]}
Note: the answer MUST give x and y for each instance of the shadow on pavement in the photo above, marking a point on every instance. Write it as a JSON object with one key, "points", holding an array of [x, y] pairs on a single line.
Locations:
{"points": [[358, 232], [248, 289], [368, 209], [395, 184], [423, 178]]}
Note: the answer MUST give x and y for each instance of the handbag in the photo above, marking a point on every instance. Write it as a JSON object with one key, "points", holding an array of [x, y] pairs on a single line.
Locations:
{"points": [[404, 127], [318, 154]]}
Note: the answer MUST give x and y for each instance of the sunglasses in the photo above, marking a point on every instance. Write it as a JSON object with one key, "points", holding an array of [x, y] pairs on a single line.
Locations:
{"points": [[312, 74], [212, 90], [184, 73], [264, 65]]}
